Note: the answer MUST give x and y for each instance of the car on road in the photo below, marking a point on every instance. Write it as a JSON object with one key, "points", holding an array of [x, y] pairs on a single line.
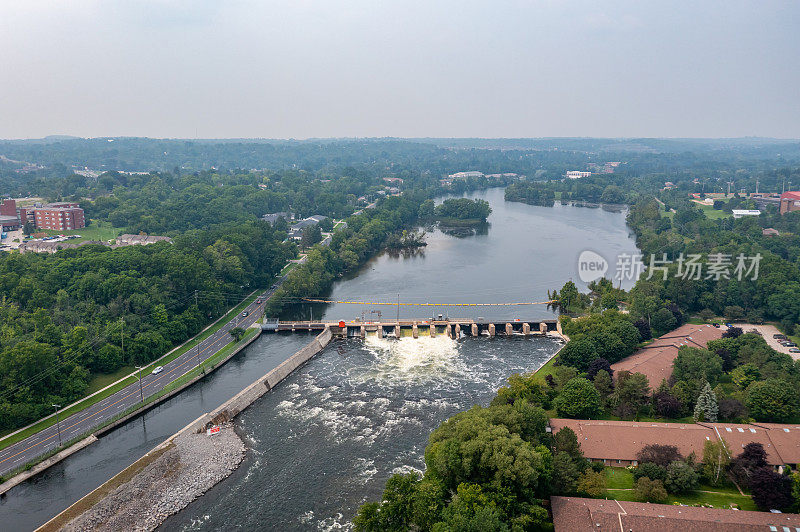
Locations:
{"points": [[157, 370], [274, 286], [794, 350], [245, 314], [790, 344], [779, 336], [258, 301]]}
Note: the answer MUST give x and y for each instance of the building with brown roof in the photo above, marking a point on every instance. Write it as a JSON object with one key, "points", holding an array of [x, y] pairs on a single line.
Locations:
{"points": [[655, 360], [616, 443], [576, 514]]}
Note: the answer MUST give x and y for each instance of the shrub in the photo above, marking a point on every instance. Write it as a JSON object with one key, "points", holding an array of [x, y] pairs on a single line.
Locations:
{"points": [[651, 471], [650, 490], [592, 484], [681, 478]]}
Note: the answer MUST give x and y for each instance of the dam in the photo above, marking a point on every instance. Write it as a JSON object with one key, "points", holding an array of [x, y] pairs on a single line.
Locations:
{"points": [[454, 328]]}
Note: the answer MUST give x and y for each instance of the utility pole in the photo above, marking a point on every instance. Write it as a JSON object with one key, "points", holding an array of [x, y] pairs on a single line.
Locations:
{"points": [[58, 424], [139, 376], [398, 309]]}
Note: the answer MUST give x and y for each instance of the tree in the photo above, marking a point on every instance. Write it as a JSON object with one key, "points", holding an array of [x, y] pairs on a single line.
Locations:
{"points": [[663, 321], [471, 511], [631, 393], [310, 236], [666, 404], [772, 400], [706, 407], [237, 333], [651, 471], [643, 326], [598, 364], [715, 461], [566, 441], [603, 384], [578, 353], [565, 474], [752, 458], [696, 365], [771, 490], [658, 454], [681, 478], [732, 409], [592, 484], [745, 375], [733, 332], [734, 313], [650, 490], [578, 399]]}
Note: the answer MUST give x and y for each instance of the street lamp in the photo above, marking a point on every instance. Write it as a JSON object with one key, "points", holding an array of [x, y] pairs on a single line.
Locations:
{"points": [[58, 423], [138, 376]]}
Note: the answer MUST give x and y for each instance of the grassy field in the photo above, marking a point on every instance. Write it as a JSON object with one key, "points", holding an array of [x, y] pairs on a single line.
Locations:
{"points": [[619, 484], [618, 478], [96, 230], [102, 380], [712, 213], [41, 425]]}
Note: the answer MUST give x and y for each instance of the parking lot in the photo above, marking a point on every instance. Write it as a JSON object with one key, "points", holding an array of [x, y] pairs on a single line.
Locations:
{"points": [[767, 331]]}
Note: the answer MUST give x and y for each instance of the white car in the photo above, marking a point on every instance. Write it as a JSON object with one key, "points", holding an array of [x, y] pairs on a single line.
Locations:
{"points": [[157, 370]]}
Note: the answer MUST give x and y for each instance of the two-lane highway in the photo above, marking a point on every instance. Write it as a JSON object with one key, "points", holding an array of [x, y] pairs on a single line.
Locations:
{"points": [[90, 418]]}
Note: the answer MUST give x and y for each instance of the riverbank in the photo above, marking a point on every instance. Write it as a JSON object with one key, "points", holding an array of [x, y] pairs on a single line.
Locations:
{"points": [[162, 483]]}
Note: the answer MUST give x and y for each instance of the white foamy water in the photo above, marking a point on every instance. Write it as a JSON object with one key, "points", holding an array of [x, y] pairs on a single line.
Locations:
{"points": [[411, 360]]}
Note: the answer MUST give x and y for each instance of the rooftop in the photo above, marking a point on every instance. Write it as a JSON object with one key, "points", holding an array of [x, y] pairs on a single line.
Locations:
{"points": [[573, 514], [655, 360]]}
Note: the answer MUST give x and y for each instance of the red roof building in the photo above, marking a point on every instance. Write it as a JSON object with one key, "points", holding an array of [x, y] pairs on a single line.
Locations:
{"points": [[59, 218], [790, 201], [655, 360]]}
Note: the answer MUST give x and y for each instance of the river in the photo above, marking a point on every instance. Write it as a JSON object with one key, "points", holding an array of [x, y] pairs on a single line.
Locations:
{"points": [[327, 438]]}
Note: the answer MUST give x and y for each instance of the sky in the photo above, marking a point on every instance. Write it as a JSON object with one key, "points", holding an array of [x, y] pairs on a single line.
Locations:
{"points": [[375, 68]]}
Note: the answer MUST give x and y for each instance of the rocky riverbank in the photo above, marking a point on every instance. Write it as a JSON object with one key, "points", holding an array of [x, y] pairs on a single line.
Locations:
{"points": [[187, 468]]}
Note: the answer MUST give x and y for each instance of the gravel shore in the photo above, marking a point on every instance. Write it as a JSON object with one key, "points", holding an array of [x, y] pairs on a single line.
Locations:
{"points": [[180, 475]]}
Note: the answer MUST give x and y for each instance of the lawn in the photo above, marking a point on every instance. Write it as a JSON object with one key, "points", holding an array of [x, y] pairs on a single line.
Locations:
{"points": [[619, 485], [102, 380], [96, 230], [618, 478], [712, 213], [545, 370]]}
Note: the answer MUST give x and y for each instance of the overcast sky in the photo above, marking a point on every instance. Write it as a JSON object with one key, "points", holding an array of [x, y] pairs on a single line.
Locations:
{"points": [[439, 68]]}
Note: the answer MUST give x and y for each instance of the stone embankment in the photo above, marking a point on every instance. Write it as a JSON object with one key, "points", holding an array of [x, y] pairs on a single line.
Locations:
{"points": [[186, 469], [179, 470]]}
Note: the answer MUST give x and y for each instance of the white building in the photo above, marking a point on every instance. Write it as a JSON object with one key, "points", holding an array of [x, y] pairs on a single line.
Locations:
{"points": [[577, 174], [464, 175], [738, 213]]}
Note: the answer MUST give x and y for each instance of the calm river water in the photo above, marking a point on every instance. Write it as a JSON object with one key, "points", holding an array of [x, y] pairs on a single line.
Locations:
{"points": [[328, 437]]}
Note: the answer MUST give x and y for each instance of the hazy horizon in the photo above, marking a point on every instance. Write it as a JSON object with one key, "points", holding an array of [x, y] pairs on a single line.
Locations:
{"points": [[510, 69]]}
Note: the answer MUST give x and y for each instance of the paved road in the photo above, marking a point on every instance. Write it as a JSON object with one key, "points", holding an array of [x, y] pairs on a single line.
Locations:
{"points": [[86, 420]]}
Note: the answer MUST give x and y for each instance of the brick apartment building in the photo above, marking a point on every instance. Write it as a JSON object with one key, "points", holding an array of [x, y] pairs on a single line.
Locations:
{"points": [[790, 201], [59, 217]]}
